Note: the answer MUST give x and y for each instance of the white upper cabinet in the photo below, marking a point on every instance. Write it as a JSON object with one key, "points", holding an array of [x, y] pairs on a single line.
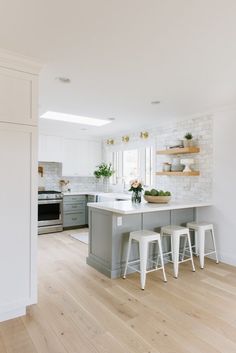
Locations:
{"points": [[80, 157], [95, 155], [50, 148], [18, 97]]}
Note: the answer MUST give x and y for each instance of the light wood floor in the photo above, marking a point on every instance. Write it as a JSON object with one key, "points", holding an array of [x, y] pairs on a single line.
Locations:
{"points": [[81, 311]]}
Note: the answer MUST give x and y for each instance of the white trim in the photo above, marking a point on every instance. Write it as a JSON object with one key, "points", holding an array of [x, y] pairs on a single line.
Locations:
{"points": [[227, 258], [19, 62], [13, 313], [33, 293]]}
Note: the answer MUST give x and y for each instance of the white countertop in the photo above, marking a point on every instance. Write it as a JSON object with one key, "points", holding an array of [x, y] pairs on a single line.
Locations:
{"points": [[127, 207], [108, 195]]}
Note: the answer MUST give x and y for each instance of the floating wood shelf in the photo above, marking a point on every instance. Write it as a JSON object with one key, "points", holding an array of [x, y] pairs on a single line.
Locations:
{"points": [[180, 150], [193, 173]]}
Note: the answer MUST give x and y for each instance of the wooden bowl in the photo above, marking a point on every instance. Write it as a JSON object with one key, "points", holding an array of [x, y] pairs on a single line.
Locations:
{"points": [[157, 199]]}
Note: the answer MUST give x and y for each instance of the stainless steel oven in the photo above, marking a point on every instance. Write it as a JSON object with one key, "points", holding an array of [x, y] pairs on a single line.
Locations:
{"points": [[50, 212]]}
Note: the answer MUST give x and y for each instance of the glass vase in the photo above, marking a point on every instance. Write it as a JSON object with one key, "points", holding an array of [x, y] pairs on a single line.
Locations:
{"points": [[136, 197], [105, 184]]}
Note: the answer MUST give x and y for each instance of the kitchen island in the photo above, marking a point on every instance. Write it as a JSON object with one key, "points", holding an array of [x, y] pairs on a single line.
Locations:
{"points": [[111, 222]]}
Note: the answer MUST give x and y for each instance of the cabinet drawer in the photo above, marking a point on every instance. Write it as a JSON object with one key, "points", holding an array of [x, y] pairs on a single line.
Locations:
{"points": [[74, 199], [74, 219], [92, 198], [74, 208]]}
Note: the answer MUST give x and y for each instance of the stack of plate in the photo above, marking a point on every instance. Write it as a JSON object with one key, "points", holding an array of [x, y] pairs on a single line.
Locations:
{"points": [[177, 167]]}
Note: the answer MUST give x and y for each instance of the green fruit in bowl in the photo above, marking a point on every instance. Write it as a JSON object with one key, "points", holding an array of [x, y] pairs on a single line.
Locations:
{"points": [[167, 193], [154, 192], [161, 193], [147, 192]]}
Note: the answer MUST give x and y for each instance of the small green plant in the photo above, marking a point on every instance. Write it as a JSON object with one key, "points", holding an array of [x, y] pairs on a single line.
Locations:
{"points": [[188, 136], [103, 170]]}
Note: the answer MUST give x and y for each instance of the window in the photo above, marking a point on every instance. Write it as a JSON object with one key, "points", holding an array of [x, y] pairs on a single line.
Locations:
{"points": [[115, 165], [132, 164], [148, 180]]}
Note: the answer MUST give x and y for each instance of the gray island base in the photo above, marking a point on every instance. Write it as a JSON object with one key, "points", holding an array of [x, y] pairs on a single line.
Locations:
{"points": [[111, 222]]}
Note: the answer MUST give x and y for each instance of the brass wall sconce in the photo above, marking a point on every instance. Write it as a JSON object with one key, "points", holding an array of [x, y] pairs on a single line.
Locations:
{"points": [[125, 138], [40, 171], [144, 135], [110, 142]]}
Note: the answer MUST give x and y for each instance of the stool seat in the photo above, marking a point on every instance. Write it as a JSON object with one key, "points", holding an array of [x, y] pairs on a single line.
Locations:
{"points": [[196, 226], [144, 234], [144, 238], [174, 229], [176, 232]]}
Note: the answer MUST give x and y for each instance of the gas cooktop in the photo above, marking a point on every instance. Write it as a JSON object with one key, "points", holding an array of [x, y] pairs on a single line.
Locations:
{"points": [[49, 194]]}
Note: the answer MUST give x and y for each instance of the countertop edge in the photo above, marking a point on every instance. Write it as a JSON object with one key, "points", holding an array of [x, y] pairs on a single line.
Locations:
{"points": [[104, 206]]}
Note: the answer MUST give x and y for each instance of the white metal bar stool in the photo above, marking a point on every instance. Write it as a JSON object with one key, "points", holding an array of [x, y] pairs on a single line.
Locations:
{"points": [[175, 233], [144, 238], [200, 229]]}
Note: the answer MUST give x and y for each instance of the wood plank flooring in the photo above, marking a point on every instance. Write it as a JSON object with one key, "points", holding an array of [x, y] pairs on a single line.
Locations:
{"points": [[82, 311]]}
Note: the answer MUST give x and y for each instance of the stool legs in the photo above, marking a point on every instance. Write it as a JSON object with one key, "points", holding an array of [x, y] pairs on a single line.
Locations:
{"points": [[162, 261], [127, 257], [196, 243], [143, 250], [214, 244], [201, 241], [190, 250], [175, 254], [184, 248]]}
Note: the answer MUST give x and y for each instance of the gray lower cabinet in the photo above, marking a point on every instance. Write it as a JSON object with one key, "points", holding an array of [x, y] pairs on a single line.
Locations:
{"points": [[74, 211], [74, 219]]}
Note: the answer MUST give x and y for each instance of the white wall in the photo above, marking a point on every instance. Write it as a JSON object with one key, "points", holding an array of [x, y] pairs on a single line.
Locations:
{"points": [[223, 214]]}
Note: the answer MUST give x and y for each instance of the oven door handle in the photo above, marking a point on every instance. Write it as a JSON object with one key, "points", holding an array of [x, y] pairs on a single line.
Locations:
{"points": [[48, 202]]}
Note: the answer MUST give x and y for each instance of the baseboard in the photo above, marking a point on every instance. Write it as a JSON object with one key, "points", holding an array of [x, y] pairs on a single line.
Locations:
{"points": [[227, 259], [12, 314]]}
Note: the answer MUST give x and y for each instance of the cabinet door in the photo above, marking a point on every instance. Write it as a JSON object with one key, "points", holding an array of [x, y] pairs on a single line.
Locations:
{"points": [[95, 156], [50, 148], [18, 219], [80, 157], [70, 157], [18, 97], [83, 158], [75, 157]]}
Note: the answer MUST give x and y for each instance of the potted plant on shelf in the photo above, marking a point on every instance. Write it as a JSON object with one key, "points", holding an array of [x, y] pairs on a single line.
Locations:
{"points": [[104, 171], [188, 139], [136, 187]]}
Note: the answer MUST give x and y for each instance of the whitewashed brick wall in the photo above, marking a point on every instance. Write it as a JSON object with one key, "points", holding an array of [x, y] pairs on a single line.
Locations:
{"points": [[198, 188], [188, 188]]}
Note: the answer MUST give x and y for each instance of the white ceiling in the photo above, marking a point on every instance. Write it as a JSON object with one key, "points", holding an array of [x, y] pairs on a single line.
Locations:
{"points": [[123, 54]]}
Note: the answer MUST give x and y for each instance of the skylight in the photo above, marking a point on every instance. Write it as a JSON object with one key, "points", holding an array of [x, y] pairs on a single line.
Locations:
{"points": [[83, 120]]}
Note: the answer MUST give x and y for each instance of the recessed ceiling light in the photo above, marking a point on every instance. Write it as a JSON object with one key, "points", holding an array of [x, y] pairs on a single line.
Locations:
{"points": [[70, 118], [63, 79], [155, 102]]}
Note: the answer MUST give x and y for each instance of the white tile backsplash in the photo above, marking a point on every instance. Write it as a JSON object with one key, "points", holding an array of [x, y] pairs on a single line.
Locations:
{"points": [[53, 173]]}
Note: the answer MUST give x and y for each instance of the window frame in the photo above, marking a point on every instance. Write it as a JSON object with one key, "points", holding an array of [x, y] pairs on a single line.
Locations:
{"points": [[117, 158]]}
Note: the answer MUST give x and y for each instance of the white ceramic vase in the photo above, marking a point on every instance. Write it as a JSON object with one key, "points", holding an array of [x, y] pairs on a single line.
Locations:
{"points": [[187, 162]]}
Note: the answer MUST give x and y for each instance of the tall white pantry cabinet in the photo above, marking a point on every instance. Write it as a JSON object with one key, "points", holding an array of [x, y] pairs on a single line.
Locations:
{"points": [[18, 183]]}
